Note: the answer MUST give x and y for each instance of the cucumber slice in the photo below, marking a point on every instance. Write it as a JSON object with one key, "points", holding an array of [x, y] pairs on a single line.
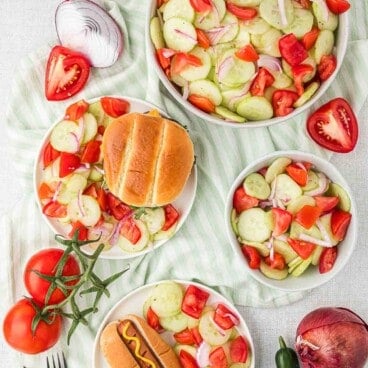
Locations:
{"points": [[179, 34], [268, 42], [154, 219], [256, 26], [316, 255], [302, 267], [324, 45], [287, 189], [231, 21], [242, 38], [63, 136], [277, 167], [297, 229], [307, 95], [206, 88], [285, 250], [254, 225], [142, 243], [213, 18], [269, 10], [336, 190], [95, 175], [229, 115], [251, 3], [176, 323], [256, 186], [312, 182], [232, 97], [210, 332], [263, 250], [87, 212], [176, 78], [90, 127], [97, 111], [294, 263], [326, 223], [166, 299], [331, 22], [156, 33], [287, 68], [71, 188], [234, 221], [179, 8], [282, 80], [216, 51], [273, 273], [165, 234], [255, 108], [302, 23], [298, 203], [192, 73]]}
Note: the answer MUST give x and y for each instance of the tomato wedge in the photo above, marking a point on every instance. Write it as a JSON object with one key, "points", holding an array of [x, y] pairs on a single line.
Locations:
{"points": [[300, 72], [252, 256], [67, 72], [277, 261], [184, 337], [242, 201], [153, 320], [292, 50], [327, 259], [130, 230], [218, 358], [298, 174], [76, 110], [334, 126], [247, 53], [182, 60], [282, 219], [201, 6], [326, 204], [45, 191], [302, 248], [164, 57], [115, 107], [55, 209], [50, 154], [69, 162], [338, 6], [171, 217], [310, 38], [116, 207], [83, 231], [203, 40], [239, 350], [307, 216], [306, 4], [202, 103], [224, 317], [91, 152], [283, 101], [245, 13], [187, 360], [340, 221], [263, 80], [326, 67], [194, 301]]}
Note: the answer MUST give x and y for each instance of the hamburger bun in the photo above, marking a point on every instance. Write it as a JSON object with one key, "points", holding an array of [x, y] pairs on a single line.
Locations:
{"points": [[147, 159]]}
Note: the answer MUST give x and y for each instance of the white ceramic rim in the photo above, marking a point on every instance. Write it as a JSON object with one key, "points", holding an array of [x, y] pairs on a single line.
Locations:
{"points": [[190, 186], [340, 47], [214, 297], [349, 242]]}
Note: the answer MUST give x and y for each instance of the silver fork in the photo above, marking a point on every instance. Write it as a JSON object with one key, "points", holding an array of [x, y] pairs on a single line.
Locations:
{"points": [[56, 362]]}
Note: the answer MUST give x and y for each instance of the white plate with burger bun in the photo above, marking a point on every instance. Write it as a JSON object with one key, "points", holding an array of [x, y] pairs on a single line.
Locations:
{"points": [[74, 191], [163, 304]]}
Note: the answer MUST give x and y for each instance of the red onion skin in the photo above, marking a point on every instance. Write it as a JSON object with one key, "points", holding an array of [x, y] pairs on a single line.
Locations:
{"points": [[340, 335]]}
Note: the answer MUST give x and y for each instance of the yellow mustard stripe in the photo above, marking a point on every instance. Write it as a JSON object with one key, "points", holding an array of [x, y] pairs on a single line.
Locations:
{"points": [[137, 346]]}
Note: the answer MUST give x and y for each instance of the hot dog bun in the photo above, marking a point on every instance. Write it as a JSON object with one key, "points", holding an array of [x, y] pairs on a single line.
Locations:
{"points": [[118, 343], [147, 159]]}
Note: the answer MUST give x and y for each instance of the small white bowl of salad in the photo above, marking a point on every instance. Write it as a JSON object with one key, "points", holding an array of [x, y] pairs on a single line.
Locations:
{"points": [[246, 63], [291, 218]]}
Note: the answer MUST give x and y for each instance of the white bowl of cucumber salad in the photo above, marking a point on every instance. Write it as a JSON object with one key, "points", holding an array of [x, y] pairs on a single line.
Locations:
{"points": [[245, 63], [291, 218]]}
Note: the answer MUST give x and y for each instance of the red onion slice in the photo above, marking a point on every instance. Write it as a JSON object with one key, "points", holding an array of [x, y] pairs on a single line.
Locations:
{"points": [[301, 165], [98, 169], [215, 34], [323, 183], [311, 239], [185, 90], [203, 354], [326, 237], [224, 67], [233, 100], [84, 26], [186, 35], [269, 62], [80, 203], [167, 53], [283, 17]]}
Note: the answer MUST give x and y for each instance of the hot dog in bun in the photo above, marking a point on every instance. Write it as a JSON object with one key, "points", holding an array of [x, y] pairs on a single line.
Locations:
{"points": [[132, 343]]}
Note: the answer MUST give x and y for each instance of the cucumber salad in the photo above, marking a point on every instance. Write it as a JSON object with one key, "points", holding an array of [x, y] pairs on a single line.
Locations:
{"points": [[290, 216], [204, 334], [245, 60], [72, 190]]}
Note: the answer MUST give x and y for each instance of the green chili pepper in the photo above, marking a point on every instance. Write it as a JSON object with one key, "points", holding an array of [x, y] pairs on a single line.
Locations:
{"points": [[286, 357]]}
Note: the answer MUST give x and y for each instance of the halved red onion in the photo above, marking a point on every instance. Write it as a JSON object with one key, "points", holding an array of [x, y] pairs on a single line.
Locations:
{"points": [[215, 34], [311, 239], [86, 27], [269, 62], [283, 17], [203, 354], [323, 183], [324, 9]]}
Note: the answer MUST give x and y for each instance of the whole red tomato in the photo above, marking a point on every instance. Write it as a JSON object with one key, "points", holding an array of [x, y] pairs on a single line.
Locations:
{"points": [[45, 262], [18, 333]]}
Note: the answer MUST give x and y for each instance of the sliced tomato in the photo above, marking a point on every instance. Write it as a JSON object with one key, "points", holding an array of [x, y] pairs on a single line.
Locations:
{"points": [[326, 66], [187, 360], [282, 219], [218, 358], [55, 209], [338, 6], [194, 301], [283, 101], [310, 38], [306, 4], [327, 259], [302, 248], [182, 60], [45, 191], [277, 261], [245, 13], [102, 199], [117, 208], [76, 110], [300, 72], [202, 103], [83, 231], [184, 337], [307, 216], [340, 221], [224, 317], [67, 72], [242, 201], [69, 162], [239, 350], [163, 58], [115, 107], [197, 336], [298, 174], [247, 53], [153, 320], [130, 230], [101, 130], [91, 190], [91, 152], [203, 40], [201, 6], [334, 126], [292, 50], [326, 204], [171, 217], [263, 80], [50, 154], [252, 256]]}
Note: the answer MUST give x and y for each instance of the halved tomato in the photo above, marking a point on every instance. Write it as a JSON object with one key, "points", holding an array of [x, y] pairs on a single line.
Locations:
{"points": [[283, 101], [50, 154], [245, 13], [292, 50], [263, 80], [130, 230], [203, 103], [171, 217], [194, 301], [239, 350], [307, 216], [302, 248], [115, 107], [252, 256], [298, 174], [218, 358], [334, 126], [224, 317], [277, 261], [338, 6], [282, 219], [326, 66], [76, 110], [327, 259], [242, 201], [340, 221], [326, 204]]}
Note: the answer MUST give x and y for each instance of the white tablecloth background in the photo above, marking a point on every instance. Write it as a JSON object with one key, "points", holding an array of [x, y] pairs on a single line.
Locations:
{"points": [[26, 25]]}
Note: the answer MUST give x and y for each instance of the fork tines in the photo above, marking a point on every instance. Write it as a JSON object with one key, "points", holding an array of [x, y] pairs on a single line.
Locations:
{"points": [[56, 362]]}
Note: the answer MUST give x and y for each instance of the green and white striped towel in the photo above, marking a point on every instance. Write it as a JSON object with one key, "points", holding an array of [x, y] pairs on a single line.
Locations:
{"points": [[200, 250]]}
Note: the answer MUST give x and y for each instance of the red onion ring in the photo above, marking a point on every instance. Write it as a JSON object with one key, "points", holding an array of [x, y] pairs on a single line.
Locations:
{"points": [[269, 62]]}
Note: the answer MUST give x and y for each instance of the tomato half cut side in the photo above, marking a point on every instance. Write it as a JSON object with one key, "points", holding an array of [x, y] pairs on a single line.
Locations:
{"points": [[194, 301], [327, 259], [334, 126], [67, 72], [115, 107]]}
